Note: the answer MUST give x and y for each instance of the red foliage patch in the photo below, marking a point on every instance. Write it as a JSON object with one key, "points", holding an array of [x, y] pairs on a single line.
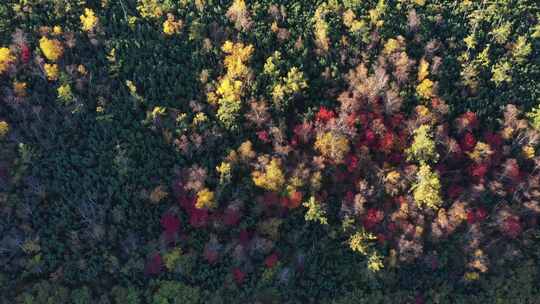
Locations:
{"points": [[25, 53], [324, 114], [468, 142], [373, 217], [154, 265], [387, 142], [352, 162], [512, 227], [239, 276], [170, 223], [481, 214], [478, 171], [476, 215], [370, 137], [263, 136], [198, 217], [271, 260], [295, 199]]}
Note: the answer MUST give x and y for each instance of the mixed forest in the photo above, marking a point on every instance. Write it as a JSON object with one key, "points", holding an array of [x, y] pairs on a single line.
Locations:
{"points": [[269, 151]]}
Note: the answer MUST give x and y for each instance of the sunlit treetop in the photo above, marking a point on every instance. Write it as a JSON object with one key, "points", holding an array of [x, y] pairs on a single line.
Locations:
{"points": [[6, 58], [88, 20], [52, 49]]}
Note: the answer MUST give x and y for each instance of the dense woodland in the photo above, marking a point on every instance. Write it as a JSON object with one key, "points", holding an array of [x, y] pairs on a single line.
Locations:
{"points": [[267, 151]]}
